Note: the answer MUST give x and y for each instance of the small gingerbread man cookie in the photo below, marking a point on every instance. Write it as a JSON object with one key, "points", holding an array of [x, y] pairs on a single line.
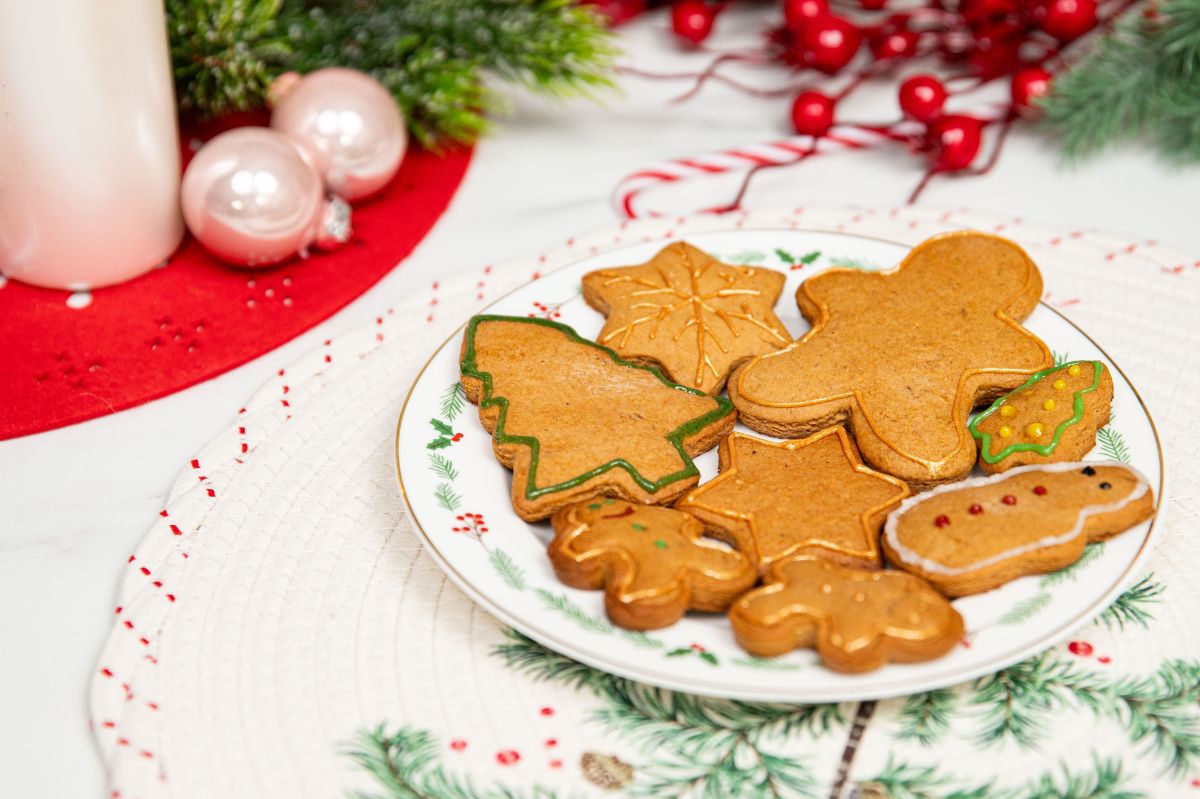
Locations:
{"points": [[973, 536], [856, 619], [653, 563], [1053, 417]]}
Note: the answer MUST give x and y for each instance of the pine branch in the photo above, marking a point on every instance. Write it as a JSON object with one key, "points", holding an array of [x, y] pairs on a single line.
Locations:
{"points": [[1026, 609], [405, 765], [1131, 606], [900, 780], [925, 718], [1143, 79], [767, 664], [572, 611], [1090, 553], [431, 54], [446, 496], [507, 568], [1060, 357], [1104, 781], [1112, 444], [442, 466], [453, 401]]}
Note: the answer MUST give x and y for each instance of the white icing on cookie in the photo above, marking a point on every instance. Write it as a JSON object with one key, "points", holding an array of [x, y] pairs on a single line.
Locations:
{"points": [[911, 558]]}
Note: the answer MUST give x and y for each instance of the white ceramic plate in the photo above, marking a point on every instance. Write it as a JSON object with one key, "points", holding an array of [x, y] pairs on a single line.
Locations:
{"points": [[458, 494]]}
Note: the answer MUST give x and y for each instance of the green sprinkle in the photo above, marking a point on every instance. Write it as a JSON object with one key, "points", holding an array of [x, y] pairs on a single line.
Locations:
{"points": [[660, 544], [641, 528], [608, 501], [594, 506]]}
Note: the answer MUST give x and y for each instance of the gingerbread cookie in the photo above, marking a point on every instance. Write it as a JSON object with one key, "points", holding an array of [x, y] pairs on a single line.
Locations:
{"points": [[777, 499], [653, 563], [1053, 417], [976, 535], [903, 356], [688, 313], [573, 420], [856, 619]]}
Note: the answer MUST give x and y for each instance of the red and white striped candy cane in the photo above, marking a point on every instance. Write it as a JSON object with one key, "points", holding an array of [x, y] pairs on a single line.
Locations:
{"points": [[776, 153]]}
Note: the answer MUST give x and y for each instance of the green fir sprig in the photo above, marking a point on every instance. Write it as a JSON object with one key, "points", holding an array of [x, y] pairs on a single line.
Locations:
{"points": [[1140, 80], [1104, 779], [1132, 606], [925, 718], [432, 55], [406, 765], [695, 746]]}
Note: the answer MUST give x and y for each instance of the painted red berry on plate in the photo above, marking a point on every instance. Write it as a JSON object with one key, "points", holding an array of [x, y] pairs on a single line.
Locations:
{"points": [[1081, 648]]}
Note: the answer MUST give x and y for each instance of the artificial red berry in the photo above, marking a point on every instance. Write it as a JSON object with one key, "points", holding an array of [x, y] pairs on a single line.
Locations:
{"points": [[829, 43], [798, 13], [692, 20], [1039, 490], [873, 5], [942, 521], [812, 113], [1028, 85], [1067, 20], [897, 44], [1008, 499], [955, 141], [975, 12], [922, 97], [976, 509]]}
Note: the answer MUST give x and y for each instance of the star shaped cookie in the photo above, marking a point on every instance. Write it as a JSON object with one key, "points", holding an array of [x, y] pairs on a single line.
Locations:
{"points": [[857, 620], [773, 500], [903, 356], [688, 313], [653, 563]]}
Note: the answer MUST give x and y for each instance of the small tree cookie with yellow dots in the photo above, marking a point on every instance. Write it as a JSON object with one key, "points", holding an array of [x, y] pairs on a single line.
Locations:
{"points": [[1052, 418], [856, 619], [653, 563]]}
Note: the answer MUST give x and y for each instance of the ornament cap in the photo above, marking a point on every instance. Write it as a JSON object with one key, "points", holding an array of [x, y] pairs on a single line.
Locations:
{"points": [[281, 86], [335, 224]]}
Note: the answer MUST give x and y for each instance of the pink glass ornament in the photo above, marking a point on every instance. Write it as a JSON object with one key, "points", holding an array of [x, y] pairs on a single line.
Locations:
{"points": [[250, 197], [347, 122]]}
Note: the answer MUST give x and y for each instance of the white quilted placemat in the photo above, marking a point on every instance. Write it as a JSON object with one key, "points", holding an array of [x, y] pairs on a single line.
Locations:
{"points": [[279, 632]]}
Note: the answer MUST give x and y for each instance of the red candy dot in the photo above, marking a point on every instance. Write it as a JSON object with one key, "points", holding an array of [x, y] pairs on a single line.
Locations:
{"points": [[551, 742], [507, 757], [1008, 499], [556, 763], [547, 711], [1105, 659], [1039, 490], [1081, 648], [976, 509], [942, 521], [458, 744]]}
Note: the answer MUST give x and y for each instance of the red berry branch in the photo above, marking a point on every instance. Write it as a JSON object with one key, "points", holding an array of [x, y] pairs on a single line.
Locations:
{"points": [[970, 44]]}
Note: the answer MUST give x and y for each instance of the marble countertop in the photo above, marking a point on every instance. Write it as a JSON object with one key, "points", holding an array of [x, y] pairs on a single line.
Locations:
{"points": [[74, 502]]}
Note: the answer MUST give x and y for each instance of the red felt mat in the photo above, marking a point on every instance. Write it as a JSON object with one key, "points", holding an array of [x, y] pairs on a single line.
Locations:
{"points": [[195, 318]]}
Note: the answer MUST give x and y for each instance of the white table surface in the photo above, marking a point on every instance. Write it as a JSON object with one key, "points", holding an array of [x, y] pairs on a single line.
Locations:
{"points": [[74, 502]]}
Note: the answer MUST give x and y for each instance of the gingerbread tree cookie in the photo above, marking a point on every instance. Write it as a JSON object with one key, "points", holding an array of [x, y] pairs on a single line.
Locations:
{"points": [[653, 563], [1053, 417], [857, 620], [688, 313], [903, 356], [573, 420], [970, 537], [776, 499]]}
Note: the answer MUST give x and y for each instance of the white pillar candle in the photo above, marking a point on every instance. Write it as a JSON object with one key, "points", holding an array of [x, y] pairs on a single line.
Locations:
{"points": [[89, 145]]}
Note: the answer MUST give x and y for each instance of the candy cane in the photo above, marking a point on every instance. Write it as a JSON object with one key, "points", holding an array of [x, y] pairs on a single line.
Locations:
{"points": [[776, 153]]}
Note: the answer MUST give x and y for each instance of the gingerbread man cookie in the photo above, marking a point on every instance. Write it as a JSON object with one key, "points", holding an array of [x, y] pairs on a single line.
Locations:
{"points": [[776, 499], [856, 619], [973, 536], [1053, 417], [903, 356], [573, 420], [653, 563], [689, 314]]}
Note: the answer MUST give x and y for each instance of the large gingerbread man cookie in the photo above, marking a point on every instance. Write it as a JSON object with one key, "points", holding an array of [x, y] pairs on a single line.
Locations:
{"points": [[903, 356], [976, 535], [856, 619], [573, 420], [775, 499], [688, 313], [653, 563]]}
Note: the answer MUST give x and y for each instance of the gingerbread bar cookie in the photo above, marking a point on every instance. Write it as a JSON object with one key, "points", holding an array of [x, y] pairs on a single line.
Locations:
{"points": [[574, 420], [1053, 417], [653, 563], [688, 313], [903, 356], [976, 535], [775, 499], [856, 619]]}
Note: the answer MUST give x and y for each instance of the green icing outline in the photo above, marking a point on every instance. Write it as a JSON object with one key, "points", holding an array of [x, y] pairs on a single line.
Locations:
{"points": [[470, 368], [1041, 449]]}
